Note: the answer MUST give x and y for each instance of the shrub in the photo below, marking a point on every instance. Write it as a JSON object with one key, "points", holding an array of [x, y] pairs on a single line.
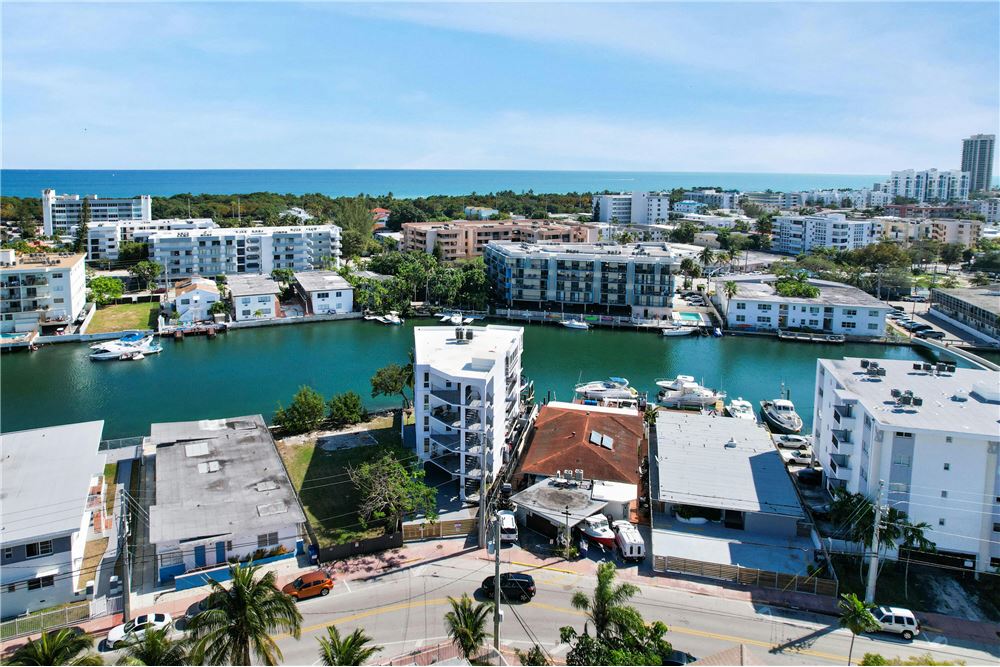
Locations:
{"points": [[304, 414], [347, 408]]}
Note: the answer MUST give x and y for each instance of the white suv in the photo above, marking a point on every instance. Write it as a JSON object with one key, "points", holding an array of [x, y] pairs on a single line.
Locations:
{"points": [[895, 619]]}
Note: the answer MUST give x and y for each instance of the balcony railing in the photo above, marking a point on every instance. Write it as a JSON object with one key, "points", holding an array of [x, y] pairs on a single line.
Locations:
{"points": [[841, 438], [841, 413], [451, 396], [447, 417]]}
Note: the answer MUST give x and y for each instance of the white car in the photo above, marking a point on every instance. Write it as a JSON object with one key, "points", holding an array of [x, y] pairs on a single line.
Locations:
{"points": [[898, 620], [508, 526], [136, 628], [804, 455], [792, 442]]}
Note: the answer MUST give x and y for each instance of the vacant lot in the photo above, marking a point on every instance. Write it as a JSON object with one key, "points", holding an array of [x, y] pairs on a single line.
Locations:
{"points": [[125, 317]]}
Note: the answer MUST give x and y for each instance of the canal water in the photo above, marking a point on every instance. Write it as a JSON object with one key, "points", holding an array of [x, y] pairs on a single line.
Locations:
{"points": [[250, 371]]}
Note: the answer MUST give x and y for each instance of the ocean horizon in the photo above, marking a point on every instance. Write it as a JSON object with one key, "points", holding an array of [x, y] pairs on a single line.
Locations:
{"points": [[403, 183]]}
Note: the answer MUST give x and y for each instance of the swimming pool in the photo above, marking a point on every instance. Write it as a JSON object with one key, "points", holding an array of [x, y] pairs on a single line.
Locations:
{"points": [[692, 318]]}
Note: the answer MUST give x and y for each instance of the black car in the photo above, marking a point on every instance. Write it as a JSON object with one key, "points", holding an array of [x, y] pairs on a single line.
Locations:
{"points": [[513, 586], [930, 334], [810, 477]]}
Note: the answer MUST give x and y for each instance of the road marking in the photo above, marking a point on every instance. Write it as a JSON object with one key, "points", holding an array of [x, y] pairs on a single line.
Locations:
{"points": [[545, 567], [365, 614]]}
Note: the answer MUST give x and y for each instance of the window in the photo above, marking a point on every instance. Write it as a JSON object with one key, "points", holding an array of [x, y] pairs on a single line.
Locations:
{"points": [[873, 325], [37, 549], [947, 466], [8, 553], [763, 319], [944, 494], [185, 301], [902, 460], [57, 275], [849, 325], [764, 306], [872, 313], [850, 312], [41, 582], [267, 540], [940, 522], [263, 299], [947, 438], [741, 318], [996, 527], [245, 301], [229, 545], [246, 313], [741, 305], [11, 588], [322, 295], [903, 434]]}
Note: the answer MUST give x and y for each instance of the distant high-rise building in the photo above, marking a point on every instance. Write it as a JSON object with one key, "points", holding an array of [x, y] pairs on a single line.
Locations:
{"points": [[977, 159]]}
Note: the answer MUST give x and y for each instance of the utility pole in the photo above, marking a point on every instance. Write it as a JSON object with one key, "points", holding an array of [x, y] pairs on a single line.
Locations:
{"points": [[123, 552], [497, 590], [873, 561]]}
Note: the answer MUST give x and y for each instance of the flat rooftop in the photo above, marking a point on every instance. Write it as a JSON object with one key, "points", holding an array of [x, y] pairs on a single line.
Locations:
{"points": [[713, 461], [438, 347], [761, 288], [224, 232], [44, 261], [317, 281], [571, 251], [47, 468], [250, 285], [967, 400], [552, 500], [987, 297], [218, 477]]}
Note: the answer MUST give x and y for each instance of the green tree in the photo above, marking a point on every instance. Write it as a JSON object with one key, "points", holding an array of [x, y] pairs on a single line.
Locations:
{"points": [[353, 243], [443, 286], [82, 228], [146, 272], [981, 280], [404, 211], [392, 380], [218, 308], [951, 253], [354, 649], [534, 656], [238, 626], [855, 616], [389, 490], [283, 276], [474, 290], [684, 232], [155, 647], [607, 608], [305, 413], [924, 659], [133, 251], [58, 647], [347, 408], [466, 625], [105, 289], [730, 288]]}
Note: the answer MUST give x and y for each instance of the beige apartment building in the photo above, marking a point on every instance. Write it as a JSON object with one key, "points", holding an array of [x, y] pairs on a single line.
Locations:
{"points": [[465, 239], [908, 230]]}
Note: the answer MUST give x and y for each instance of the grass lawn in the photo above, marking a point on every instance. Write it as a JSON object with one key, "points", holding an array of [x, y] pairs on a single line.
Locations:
{"points": [[124, 317], [110, 474], [320, 477]]}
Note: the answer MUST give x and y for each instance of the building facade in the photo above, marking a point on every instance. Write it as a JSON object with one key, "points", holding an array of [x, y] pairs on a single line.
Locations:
{"points": [[928, 210], [61, 213], [797, 234], [254, 297], [714, 199], [480, 212], [324, 292], [929, 433], [929, 185], [467, 398], [615, 208], [104, 239], [466, 239], [977, 160], [689, 206], [40, 290], [635, 279], [974, 309], [260, 250], [194, 298], [908, 230], [989, 209]]}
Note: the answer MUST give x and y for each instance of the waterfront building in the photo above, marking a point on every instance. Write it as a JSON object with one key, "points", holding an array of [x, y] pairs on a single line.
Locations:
{"points": [[634, 279], [632, 208], [929, 185], [211, 252], [221, 493], [616, 208], [977, 160], [300, 214], [688, 206], [928, 210], [714, 199], [775, 201], [839, 308], [929, 432], [609, 233], [61, 213], [465, 239], [104, 239], [972, 309], [989, 209], [324, 292], [908, 230], [194, 298], [797, 234], [53, 494], [254, 297], [42, 290], [467, 398], [479, 212], [715, 221], [857, 199]]}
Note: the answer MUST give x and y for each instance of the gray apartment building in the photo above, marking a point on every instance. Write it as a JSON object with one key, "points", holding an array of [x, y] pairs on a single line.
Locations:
{"points": [[977, 159]]}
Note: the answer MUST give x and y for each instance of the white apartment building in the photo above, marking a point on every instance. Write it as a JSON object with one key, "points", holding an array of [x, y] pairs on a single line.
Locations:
{"points": [[928, 185], [929, 432], [989, 209], [942, 230], [650, 208], [857, 199], [324, 292], [466, 400], [194, 298], [797, 234], [616, 208], [105, 238], [776, 201], [839, 308], [40, 290], [61, 213], [210, 252], [688, 206], [480, 212], [254, 297], [52, 488], [714, 199]]}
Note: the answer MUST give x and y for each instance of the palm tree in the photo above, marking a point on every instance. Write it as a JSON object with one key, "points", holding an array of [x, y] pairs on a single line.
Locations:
{"points": [[155, 647], [351, 650], [854, 616], [59, 647], [243, 617], [730, 289], [466, 625], [707, 257], [914, 537], [607, 608]]}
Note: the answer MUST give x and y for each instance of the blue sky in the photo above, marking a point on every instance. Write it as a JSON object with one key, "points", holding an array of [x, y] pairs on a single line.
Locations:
{"points": [[788, 87]]}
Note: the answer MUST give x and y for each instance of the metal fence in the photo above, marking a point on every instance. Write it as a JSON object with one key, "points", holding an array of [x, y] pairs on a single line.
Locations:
{"points": [[41, 621], [120, 443], [426, 531], [746, 576]]}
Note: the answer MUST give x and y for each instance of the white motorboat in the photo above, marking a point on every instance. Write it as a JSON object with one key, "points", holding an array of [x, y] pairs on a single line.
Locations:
{"points": [[780, 416], [741, 409], [575, 324], [677, 331], [596, 529], [613, 387], [129, 347], [393, 318], [684, 392], [453, 318]]}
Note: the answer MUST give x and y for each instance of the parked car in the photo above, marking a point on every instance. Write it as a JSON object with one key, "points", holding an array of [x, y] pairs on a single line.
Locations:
{"points": [[898, 309], [898, 620], [810, 477], [629, 541], [804, 455], [820, 510], [508, 526], [136, 628], [513, 586], [309, 585], [936, 335], [792, 442]]}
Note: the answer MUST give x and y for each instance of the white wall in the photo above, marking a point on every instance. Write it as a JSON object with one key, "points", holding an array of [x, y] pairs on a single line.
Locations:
{"points": [[246, 307], [332, 301], [749, 314]]}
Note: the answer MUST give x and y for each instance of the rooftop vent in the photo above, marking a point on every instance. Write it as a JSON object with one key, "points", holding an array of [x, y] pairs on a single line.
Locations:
{"points": [[271, 509], [208, 466], [266, 486], [196, 449], [986, 391], [731, 444]]}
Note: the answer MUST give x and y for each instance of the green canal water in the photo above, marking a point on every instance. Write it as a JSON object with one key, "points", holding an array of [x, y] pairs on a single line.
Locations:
{"points": [[251, 371]]}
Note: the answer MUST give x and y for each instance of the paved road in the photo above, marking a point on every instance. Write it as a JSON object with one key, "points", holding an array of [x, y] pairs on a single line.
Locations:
{"points": [[404, 610]]}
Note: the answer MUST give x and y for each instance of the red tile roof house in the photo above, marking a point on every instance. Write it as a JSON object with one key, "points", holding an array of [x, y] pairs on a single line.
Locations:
{"points": [[380, 216]]}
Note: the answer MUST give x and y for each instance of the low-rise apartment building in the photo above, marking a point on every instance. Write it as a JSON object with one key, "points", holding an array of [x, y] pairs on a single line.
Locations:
{"points": [[989, 209], [104, 239], [689, 206], [729, 199], [465, 239], [616, 208], [908, 230], [929, 433], [929, 185], [797, 234], [194, 298], [221, 492], [324, 292], [973, 309], [479, 212], [632, 208], [254, 297], [467, 398], [42, 290], [775, 201], [61, 213], [52, 488], [839, 308], [211, 252], [928, 210], [634, 279]]}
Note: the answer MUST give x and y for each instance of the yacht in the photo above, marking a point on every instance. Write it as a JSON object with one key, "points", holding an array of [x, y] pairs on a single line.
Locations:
{"points": [[596, 529], [133, 346], [684, 392], [780, 416], [741, 409], [393, 318], [613, 387], [677, 331], [575, 324]]}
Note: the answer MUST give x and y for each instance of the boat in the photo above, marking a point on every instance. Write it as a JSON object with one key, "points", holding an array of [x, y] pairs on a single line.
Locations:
{"points": [[811, 337], [684, 392], [131, 346], [453, 318], [677, 331], [780, 416], [575, 324], [393, 318], [596, 529], [613, 387], [741, 409], [717, 332]]}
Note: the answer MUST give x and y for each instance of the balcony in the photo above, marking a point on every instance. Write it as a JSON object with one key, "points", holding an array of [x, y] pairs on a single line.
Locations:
{"points": [[450, 441], [843, 414], [841, 439], [840, 466], [451, 396], [449, 418]]}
